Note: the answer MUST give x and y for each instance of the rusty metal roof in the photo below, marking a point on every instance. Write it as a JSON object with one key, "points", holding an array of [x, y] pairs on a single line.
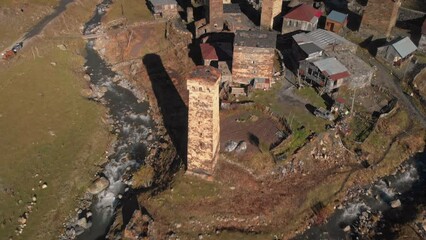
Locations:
{"points": [[304, 13]]}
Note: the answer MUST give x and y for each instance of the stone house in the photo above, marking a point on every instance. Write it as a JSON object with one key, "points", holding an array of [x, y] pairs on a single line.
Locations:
{"points": [[235, 19], [163, 8], [397, 51], [238, 91], [380, 17], [336, 21], [271, 9], [254, 53], [422, 42], [303, 17], [327, 73], [262, 83]]}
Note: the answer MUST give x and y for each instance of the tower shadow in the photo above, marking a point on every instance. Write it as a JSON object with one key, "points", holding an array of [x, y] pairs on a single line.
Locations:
{"points": [[171, 104]]}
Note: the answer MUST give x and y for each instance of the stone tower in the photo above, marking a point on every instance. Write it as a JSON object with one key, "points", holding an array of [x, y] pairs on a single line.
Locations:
{"points": [[203, 120], [380, 17], [270, 10], [215, 14]]}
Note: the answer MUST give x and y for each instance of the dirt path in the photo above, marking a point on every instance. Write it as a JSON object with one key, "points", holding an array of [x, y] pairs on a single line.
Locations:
{"points": [[38, 27]]}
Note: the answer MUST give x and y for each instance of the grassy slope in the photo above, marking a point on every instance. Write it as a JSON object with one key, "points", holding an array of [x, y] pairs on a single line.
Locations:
{"points": [[133, 10], [48, 129], [14, 23]]}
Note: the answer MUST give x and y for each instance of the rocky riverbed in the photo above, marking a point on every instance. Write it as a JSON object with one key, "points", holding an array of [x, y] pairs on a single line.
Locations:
{"points": [[130, 121]]}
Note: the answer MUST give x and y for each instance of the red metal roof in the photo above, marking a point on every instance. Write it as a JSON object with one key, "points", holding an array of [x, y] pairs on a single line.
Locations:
{"points": [[303, 13], [208, 52], [338, 76]]}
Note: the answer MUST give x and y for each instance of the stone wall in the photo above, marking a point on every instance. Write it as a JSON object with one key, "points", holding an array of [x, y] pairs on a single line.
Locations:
{"points": [[215, 14], [291, 25], [270, 9], [380, 17], [422, 44], [203, 120], [250, 62]]}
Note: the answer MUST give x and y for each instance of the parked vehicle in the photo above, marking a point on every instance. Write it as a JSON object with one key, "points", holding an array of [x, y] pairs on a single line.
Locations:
{"points": [[8, 54], [322, 113], [17, 47]]}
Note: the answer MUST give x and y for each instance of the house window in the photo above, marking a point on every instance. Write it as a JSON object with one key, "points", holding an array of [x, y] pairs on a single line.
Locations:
{"points": [[315, 74], [310, 71]]}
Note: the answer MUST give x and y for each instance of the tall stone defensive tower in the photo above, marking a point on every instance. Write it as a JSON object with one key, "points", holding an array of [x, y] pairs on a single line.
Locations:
{"points": [[270, 10], [203, 120], [380, 17], [215, 14]]}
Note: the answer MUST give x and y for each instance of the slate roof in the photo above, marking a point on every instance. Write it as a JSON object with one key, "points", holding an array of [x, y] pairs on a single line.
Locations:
{"points": [[303, 13], [337, 16], [163, 2], [208, 52], [231, 8], [404, 47], [332, 68], [255, 38]]}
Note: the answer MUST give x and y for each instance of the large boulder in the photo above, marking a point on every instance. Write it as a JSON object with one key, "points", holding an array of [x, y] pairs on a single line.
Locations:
{"points": [[242, 147], [98, 185], [230, 146]]}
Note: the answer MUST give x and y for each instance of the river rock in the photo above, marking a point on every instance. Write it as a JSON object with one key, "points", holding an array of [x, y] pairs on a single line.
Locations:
{"points": [[82, 222], [86, 93], [98, 185], [230, 146], [396, 203], [347, 228]]}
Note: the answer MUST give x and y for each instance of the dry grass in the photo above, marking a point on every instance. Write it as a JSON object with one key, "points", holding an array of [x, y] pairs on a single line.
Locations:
{"points": [[132, 10], [49, 132]]}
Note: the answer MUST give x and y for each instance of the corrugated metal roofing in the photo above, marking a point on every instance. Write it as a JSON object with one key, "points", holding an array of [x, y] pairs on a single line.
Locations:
{"points": [[304, 13], [332, 68], [337, 16], [322, 38], [404, 47], [310, 48]]}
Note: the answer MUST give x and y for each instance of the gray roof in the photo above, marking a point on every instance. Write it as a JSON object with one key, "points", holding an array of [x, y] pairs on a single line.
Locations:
{"points": [[255, 38], [330, 65], [337, 16], [322, 38], [231, 8], [310, 48], [163, 2], [404, 47]]}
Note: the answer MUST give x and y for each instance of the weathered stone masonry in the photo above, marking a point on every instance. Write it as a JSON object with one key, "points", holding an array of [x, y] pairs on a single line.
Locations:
{"points": [[203, 120], [380, 17]]}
